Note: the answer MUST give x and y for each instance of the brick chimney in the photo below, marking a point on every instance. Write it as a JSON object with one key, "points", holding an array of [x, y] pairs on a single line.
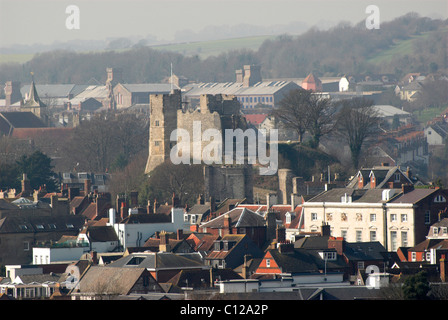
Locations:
{"points": [[336, 243], [245, 271], [286, 247], [200, 199], [164, 242], [226, 225], [26, 186], [443, 269], [406, 188], [94, 256], [325, 230], [281, 234], [239, 76], [134, 199], [123, 210], [87, 186], [252, 75], [12, 93]]}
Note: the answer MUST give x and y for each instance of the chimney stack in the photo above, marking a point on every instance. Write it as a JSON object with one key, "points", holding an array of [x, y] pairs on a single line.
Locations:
{"points": [[443, 270], [123, 210], [226, 226], [87, 186], [134, 199], [12, 93], [336, 243], [281, 234], [26, 186], [406, 188], [164, 242]]}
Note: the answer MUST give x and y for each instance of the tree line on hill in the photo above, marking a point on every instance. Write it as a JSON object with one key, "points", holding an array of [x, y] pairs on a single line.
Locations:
{"points": [[334, 52]]}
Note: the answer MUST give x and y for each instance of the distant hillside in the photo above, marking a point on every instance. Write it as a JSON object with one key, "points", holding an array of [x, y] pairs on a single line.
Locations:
{"points": [[407, 44]]}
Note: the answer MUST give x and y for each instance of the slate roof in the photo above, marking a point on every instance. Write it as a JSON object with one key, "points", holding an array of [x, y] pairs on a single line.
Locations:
{"points": [[41, 224], [237, 88], [38, 278], [298, 261], [149, 87], [364, 251], [54, 90], [414, 196], [146, 218], [358, 195], [101, 279], [101, 234], [239, 217], [201, 278], [16, 119], [158, 261]]}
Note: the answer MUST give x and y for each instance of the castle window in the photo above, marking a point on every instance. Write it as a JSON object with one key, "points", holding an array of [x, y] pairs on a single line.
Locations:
{"points": [[157, 123], [156, 143]]}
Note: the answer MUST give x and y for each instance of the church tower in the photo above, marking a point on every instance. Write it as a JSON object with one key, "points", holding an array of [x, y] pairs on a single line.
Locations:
{"points": [[34, 104], [163, 120]]}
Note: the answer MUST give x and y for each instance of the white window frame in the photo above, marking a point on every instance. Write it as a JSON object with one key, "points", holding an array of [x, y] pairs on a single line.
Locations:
{"points": [[268, 263], [427, 216], [373, 238], [358, 235], [373, 217], [404, 217], [313, 216], [393, 217]]}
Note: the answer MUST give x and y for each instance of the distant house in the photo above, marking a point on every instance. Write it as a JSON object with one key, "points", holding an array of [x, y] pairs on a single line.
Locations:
{"points": [[99, 282], [230, 250], [129, 94], [312, 82], [248, 87], [238, 221], [390, 113], [411, 91], [436, 133], [13, 122], [136, 228], [162, 265], [394, 217], [380, 177], [20, 234]]}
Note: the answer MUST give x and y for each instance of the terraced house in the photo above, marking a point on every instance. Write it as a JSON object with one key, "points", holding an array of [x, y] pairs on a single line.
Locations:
{"points": [[394, 217]]}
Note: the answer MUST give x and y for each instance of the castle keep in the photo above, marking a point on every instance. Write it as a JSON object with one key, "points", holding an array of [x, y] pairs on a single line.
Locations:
{"points": [[219, 112]]}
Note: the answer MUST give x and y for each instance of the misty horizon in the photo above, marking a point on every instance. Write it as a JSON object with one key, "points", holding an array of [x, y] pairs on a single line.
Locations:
{"points": [[30, 25]]}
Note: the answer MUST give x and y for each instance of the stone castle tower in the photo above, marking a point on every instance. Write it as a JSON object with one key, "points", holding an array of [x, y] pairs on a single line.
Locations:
{"points": [[163, 110], [166, 114]]}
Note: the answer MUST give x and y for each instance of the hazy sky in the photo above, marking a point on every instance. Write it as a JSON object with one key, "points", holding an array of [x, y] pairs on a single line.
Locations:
{"points": [[44, 21]]}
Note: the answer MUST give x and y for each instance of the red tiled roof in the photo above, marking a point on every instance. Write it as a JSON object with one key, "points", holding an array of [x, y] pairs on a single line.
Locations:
{"points": [[255, 118], [23, 133]]}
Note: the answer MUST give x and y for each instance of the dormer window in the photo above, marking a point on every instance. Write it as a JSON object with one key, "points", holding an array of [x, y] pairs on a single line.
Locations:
{"points": [[328, 255], [288, 218], [397, 177]]}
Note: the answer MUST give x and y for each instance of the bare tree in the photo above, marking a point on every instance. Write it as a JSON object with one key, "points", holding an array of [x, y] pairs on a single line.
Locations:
{"points": [[319, 116], [291, 111], [304, 111], [357, 121]]}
